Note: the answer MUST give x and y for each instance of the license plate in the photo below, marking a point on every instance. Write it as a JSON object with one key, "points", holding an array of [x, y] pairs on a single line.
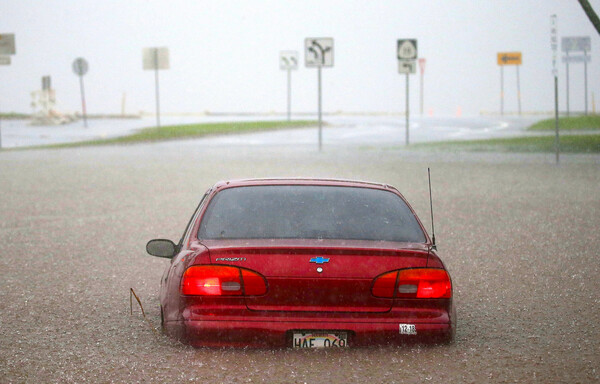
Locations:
{"points": [[318, 339]]}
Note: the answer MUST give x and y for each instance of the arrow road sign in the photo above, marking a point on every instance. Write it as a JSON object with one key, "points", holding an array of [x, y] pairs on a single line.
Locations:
{"points": [[407, 49], [407, 66], [509, 58], [7, 44], [318, 52], [582, 43], [80, 66], [288, 60]]}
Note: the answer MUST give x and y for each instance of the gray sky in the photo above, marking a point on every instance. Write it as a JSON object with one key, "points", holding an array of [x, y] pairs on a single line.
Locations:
{"points": [[224, 54]]}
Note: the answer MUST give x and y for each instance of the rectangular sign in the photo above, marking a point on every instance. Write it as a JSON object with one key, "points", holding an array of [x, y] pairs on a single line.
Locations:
{"points": [[156, 58], [407, 66], [7, 44], [581, 43], [554, 43], [288, 60], [4, 60], [576, 59], [318, 52], [509, 58]]}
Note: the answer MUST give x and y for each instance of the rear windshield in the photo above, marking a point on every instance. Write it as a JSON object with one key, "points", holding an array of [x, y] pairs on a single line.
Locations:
{"points": [[309, 212]]}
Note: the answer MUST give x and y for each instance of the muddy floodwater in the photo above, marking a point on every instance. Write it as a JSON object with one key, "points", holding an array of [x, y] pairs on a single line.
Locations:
{"points": [[519, 236]]}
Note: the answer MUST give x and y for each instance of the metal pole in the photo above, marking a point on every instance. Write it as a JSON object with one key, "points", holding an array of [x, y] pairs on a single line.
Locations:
{"points": [[320, 113], [421, 93], [502, 90], [156, 82], [83, 101], [518, 90], [585, 80], [556, 137], [407, 107], [568, 109], [289, 94]]}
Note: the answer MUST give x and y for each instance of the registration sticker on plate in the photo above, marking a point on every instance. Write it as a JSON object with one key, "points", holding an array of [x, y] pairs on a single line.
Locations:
{"points": [[319, 339], [408, 329]]}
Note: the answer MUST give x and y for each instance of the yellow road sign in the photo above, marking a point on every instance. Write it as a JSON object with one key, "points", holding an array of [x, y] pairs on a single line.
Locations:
{"points": [[509, 58]]}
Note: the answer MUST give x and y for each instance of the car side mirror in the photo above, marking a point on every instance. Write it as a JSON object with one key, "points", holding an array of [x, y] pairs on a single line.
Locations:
{"points": [[161, 248]]}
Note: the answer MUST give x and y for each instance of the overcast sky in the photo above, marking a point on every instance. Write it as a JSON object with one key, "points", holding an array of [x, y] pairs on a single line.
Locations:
{"points": [[224, 55]]}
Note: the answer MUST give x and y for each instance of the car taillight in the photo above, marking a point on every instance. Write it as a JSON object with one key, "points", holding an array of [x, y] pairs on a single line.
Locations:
{"points": [[420, 283], [222, 280]]}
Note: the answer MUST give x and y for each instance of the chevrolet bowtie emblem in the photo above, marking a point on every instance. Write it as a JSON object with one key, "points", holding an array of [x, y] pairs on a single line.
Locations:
{"points": [[319, 260]]}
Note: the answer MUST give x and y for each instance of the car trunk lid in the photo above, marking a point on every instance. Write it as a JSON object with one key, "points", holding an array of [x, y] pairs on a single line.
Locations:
{"points": [[319, 276]]}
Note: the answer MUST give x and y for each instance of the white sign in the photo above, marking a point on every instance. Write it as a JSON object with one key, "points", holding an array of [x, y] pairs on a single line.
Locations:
{"points": [[407, 49], [4, 60], [7, 44], [407, 66], [582, 43], [156, 58], [576, 59], [318, 52], [554, 43], [80, 66], [288, 60]]}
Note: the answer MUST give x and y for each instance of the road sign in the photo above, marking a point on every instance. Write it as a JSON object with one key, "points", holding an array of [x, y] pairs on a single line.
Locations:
{"points": [[509, 58], [553, 43], [80, 66], [318, 51], [7, 44], [422, 65], [407, 49], [46, 83], [288, 60], [581, 43], [4, 60], [576, 59], [156, 58], [407, 66]]}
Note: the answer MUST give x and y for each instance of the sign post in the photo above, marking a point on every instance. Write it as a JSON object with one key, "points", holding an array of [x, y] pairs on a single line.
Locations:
{"points": [[7, 47], [577, 44], [554, 46], [407, 56], [422, 71], [318, 52], [509, 58], [288, 61], [154, 59], [80, 68]]}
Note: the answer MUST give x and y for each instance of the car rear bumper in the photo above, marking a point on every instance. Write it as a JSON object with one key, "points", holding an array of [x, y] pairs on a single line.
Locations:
{"points": [[252, 333]]}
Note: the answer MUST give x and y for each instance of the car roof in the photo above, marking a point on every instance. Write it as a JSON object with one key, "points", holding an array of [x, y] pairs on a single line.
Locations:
{"points": [[301, 181]]}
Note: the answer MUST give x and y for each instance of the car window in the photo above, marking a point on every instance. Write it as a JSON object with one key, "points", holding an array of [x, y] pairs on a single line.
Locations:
{"points": [[309, 212]]}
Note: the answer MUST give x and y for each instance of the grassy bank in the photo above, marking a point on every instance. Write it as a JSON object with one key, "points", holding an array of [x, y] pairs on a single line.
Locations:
{"points": [[188, 131], [577, 123], [14, 116], [568, 144]]}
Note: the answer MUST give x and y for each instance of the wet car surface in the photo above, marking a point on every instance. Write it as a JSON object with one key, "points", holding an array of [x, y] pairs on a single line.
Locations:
{"points": [[517, 234], [304, 263]]}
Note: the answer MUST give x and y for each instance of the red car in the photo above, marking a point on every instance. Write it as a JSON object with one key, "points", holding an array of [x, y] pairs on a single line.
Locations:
{"points": [[304, 263]]}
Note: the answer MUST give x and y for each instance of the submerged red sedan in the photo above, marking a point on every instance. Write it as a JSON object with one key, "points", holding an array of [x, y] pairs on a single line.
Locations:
{"points": [[304, 263]]}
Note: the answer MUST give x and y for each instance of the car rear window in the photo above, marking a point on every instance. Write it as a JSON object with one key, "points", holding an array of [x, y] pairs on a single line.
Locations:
{"points": [[309, 212]]}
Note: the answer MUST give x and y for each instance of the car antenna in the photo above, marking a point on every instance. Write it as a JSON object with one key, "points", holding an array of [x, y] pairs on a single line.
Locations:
{"points": [[434, 246]]}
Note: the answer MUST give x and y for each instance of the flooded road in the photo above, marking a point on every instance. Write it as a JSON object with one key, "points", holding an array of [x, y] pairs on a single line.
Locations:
{"points": [[339, 130], [518, 234]]}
